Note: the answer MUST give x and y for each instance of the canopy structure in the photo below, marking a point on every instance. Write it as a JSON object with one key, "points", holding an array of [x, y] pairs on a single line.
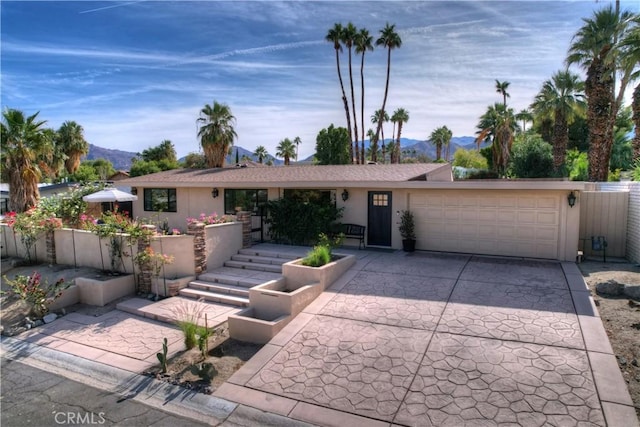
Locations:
{"points": [[109, 195]]}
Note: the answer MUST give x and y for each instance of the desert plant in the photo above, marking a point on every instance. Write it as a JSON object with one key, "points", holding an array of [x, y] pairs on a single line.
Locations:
{"points": [[203, 334], [206, 371], [162, 357], [187, 314], [38, 294], [407, 226], [318, 256]]}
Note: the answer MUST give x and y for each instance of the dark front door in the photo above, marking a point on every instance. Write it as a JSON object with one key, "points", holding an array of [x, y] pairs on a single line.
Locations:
{"points": [[379, 223]]}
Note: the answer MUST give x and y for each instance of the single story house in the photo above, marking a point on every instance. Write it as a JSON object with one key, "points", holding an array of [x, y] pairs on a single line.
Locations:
{"points": [[495, 217]]}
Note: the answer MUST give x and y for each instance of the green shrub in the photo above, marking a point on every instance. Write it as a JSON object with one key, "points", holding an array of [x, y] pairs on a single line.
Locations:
{"points": [[635, 174], [318, 256], [483, 174], [300, 222], [531, 157], [470, 159], [614, 176], [577, 164]]}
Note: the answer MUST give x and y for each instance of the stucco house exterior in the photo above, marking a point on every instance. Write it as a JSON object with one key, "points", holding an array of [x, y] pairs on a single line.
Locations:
{"points": [[492, 217]]}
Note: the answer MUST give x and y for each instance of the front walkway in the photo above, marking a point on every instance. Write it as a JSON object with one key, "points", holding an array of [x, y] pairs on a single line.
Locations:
{"points": [[430, 339]]}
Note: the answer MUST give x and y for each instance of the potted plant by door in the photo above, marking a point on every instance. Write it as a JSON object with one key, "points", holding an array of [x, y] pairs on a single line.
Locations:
{"points": [[408, 231]]}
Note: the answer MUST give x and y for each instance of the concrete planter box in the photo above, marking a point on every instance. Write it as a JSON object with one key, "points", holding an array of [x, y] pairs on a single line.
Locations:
{"points": [[298, 275], [101, 292], [278, 297], [173, 286], [250, 325]]}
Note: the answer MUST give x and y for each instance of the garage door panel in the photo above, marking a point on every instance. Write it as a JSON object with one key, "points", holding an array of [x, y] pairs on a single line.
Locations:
{"points": [[487, 223]]}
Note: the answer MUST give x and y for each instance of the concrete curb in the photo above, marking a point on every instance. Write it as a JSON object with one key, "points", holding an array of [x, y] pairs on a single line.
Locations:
{"points": [[170, 398]]}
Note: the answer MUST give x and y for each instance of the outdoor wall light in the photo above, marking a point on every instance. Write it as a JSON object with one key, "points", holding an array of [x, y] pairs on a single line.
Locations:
{"points": [[345, 195], [571, 198], [215, 193]]}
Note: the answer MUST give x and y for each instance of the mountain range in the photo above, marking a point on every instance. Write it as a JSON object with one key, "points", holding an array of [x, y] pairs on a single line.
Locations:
{"points": [[122, 160]]}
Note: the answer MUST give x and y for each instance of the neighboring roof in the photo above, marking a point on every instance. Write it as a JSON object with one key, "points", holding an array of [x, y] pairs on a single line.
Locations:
{"points": [[296, 176]]}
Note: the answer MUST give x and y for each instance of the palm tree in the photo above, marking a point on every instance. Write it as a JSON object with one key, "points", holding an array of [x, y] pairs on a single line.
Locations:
{"points": [[497, 126], [373, 145], [363, 43], [286, 150], [562, 100], [52, 159], [630, 57], [334, 35], [260, 153], [524, 116], [216, 133], [23, 142], [297, 141], [72, 143], [501, 87], [348, 39], [375, 119], [595, 49], [447, 135], [400, 116], [440, 137], [390, 40]]}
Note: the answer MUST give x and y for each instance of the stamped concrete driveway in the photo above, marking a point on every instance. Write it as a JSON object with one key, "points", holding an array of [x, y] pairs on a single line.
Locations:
{"points": [[430, 339]]}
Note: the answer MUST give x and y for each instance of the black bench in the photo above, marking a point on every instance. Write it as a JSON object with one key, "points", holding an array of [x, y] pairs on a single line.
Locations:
{"points": [[352, 231]]}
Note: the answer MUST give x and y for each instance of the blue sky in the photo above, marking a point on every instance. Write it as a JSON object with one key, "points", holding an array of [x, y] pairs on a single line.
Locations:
{"points": [[134, 73]]}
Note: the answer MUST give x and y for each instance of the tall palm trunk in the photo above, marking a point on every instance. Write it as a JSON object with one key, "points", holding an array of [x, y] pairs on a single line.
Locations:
{"points": [[386, 91], [598, 88], [397, 147], [635, 105], [560, 139], [345, 102], [355, 118], [373, 155]]}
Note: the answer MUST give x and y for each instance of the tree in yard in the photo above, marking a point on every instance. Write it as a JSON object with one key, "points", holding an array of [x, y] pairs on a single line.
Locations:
{"points": [[373, 145], [630, 60], [334, 35], [164, 151], [561, 99], [363, 43], [332, 146], [348, 39], [23, 142], [390, 40], [597, 48], [440, 137], [195, 161], [497, 126], [72, 143], [286, 149], [260, 153], [216, 133], [501, 88], [375, 118], [297, 141], [400, 116], [524, 116]]}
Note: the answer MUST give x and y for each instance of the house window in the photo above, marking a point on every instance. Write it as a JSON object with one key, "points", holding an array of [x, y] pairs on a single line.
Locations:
{"points": [[160, 200], [380, 200], [245, 200], [313, 196]]}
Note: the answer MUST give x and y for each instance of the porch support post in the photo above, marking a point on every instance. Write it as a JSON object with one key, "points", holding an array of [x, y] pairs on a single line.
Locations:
{"points": [[196, 229], [245, 218]]}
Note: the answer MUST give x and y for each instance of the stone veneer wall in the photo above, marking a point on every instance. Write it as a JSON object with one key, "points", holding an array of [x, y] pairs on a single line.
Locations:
{"points": [[245, 218], [196, 229], [633, 223]]}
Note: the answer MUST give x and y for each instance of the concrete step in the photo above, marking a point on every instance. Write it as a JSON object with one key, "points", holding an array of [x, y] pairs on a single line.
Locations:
{"points": [[259, 259], [227, 279], [268, 254], [219, 288], [215, 297], [254, 266]]}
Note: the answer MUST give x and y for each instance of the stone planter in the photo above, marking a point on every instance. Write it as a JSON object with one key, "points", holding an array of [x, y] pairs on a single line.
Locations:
{"points": [[277, 297], [172, 286], [250, 325], [103, 290], [298, 275]]}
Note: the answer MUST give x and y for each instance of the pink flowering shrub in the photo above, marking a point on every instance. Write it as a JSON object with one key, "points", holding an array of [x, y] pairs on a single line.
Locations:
{"points": [[211, 219]]}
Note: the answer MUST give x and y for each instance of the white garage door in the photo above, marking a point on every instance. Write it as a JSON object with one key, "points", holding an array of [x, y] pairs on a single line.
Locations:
{"points": [[487, 222]]}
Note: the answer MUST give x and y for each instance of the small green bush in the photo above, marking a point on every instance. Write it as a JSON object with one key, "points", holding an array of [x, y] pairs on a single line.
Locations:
{"points": [[531, 157], [578, 165], [483, 174], [635, 173], [470, 159], [318, 256], [614, 176]]}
